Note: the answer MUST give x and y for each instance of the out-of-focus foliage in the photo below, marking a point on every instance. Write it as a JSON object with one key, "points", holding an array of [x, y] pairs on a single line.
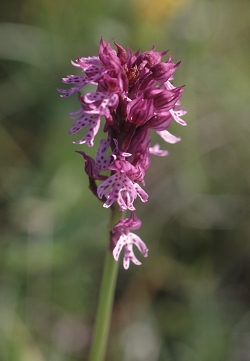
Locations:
{"points": [[190, 300]]}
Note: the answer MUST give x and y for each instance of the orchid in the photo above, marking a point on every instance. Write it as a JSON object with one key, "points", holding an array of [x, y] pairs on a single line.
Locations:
{"points": [[121, 237], [134, 95]]}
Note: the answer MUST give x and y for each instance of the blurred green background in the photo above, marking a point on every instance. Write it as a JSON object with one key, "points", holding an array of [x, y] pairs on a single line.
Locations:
{"points": [[190, 300]]}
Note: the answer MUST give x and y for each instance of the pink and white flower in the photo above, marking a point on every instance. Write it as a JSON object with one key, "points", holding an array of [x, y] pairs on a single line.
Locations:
{"points": [[134, 95], [121, 237]]}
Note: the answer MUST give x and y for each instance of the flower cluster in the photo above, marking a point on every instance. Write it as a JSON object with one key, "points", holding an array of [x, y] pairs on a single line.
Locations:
{"points": [[134, 94]]}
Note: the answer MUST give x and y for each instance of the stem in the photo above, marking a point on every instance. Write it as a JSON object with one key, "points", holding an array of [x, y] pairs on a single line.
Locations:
{"points": [[106, 297]]}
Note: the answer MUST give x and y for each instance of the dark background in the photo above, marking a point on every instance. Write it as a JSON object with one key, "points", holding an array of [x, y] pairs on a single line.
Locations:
{"points": [[190, 300]]}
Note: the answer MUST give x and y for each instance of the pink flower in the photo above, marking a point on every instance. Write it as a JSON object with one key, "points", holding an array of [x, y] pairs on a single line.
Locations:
{"points": [[124, 189], [134, 88], [121, 237], [134, 95]]}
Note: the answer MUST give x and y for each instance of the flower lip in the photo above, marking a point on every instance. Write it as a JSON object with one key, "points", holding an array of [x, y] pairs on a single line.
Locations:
{"points": [[121, 237]]}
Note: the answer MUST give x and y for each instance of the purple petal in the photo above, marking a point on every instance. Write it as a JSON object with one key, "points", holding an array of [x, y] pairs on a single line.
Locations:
{"points": [[141, 193], [99, 103], [176, 114], [133, 222], [91, 133], [127, 241], [120, 244], [139, 244], [155, 150], [83, 121], [168, 137], [90, 167], [103, 163]]}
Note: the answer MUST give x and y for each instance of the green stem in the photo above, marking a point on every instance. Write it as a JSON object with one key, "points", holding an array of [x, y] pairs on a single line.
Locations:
{"points": [[106, 297]]}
